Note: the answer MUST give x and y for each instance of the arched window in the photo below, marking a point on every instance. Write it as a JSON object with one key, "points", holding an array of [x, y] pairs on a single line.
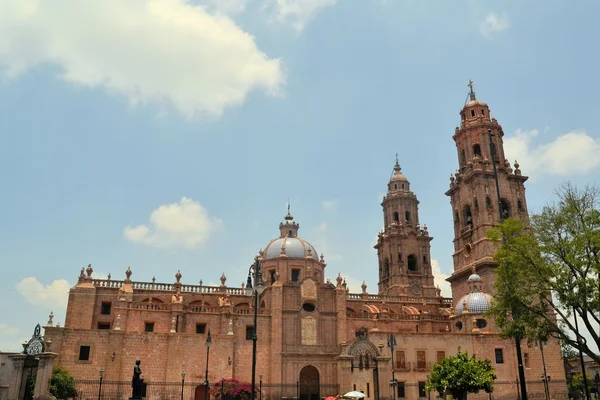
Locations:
{"points": [[475, 203], [519, 205], [467, 215], [476, 150], [505, 208], [488, 202], [272, 275], [412, 263], [456, 218], [407, 216], [386, 267], [396, 217], [463, 158], [400, 258], [395, 186]]}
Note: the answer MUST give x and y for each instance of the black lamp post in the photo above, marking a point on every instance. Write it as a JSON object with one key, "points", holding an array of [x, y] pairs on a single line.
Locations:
{"points": [[101, 379], [517, 338], [391, 344], [182, 383], [259, 286], [260, 386], [208, 343], [545, 377]]}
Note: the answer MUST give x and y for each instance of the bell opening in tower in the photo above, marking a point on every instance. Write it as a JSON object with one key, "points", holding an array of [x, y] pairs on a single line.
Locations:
{"points": [[412, 263]]}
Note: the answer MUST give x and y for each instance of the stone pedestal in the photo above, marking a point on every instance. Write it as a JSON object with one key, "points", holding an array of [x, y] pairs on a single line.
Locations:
{"points": [[14, 389], [44, 373]]}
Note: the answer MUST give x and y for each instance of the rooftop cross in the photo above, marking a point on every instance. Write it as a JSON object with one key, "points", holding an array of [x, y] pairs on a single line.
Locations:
{"points": [[471, 93]]}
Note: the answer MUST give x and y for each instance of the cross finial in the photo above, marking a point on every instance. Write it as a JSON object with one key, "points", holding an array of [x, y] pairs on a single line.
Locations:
{"points": [[397, 165], [288, 205], [471, 92]]}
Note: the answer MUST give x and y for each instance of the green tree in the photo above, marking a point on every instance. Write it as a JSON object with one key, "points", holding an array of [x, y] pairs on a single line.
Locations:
{"points": [[549, 270], [460, 375], [62, 384]]}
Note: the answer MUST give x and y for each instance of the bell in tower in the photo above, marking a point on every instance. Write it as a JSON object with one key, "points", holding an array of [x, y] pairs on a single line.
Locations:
{"points": [[483, 191], [403, 247]]}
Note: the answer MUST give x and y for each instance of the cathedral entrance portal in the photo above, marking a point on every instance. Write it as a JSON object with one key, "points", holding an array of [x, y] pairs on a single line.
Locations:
{"points": [[309, 383]]}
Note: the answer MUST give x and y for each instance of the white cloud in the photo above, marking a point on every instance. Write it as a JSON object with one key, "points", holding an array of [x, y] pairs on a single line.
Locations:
{"points": [[6, 330], [53, 296], [227, 7], [164, 52], [439, 278], [493, 23], [184, 224], [8, 339], [298, 13], [321, 243], [330, 205], [574, 153]]}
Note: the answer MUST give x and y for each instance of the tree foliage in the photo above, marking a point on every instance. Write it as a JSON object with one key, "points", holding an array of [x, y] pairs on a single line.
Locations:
{"points": [[550, 270], [461, 374], [62, 384]]}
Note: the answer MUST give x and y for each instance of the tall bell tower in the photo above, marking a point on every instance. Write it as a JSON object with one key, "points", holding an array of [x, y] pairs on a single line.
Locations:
{"points": [[476, 205], [403, 247]]}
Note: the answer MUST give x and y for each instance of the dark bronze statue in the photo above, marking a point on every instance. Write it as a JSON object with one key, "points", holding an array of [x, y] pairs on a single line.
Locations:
{"points": [[137, 383]]}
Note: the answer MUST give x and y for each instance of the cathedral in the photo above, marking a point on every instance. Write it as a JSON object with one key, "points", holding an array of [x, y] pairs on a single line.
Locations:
{"points": [[314, 337]]}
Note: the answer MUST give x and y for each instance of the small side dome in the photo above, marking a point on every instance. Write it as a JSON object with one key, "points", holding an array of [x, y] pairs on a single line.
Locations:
{"points": [[477, 302]]}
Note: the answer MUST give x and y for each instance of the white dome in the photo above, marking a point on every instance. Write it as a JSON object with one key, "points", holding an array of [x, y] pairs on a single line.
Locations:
{"points": [[294, 247]]}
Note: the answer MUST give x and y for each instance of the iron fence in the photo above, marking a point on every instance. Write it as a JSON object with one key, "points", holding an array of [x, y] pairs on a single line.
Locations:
{"points": [[121, 390]]}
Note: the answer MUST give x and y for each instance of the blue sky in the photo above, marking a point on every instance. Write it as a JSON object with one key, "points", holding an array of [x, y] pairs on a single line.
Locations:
{"points": [[168, 135]]}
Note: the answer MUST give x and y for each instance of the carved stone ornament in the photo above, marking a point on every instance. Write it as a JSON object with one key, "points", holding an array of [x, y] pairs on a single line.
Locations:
{"points": [[36, 344]]}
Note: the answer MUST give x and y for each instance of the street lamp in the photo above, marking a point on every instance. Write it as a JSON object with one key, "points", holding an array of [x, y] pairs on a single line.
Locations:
{"points": [[259, 286], [517, 338], [182, 383], [428, 392], [393, 383], [260, 386], [101, 379], [208, 343]]}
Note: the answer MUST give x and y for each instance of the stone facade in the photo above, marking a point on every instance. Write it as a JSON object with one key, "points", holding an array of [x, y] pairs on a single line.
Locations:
{"points": [[312, 330]]}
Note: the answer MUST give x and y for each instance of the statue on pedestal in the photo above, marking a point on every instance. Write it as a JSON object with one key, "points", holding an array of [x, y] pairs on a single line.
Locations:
{"points": [[137, 383]]}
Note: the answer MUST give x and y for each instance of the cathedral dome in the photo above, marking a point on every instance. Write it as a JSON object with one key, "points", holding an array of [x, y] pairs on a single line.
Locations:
{"points": [[288, 243], [476, 103], [476, 302], [398, 176], [294, 247]]}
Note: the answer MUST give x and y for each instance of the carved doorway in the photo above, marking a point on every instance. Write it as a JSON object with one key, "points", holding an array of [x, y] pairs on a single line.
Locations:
{"points": [[202, 393], [309, 383]]}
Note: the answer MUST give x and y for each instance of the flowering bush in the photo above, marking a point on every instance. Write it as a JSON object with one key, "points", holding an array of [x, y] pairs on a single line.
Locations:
{"points": [[232, 389]]}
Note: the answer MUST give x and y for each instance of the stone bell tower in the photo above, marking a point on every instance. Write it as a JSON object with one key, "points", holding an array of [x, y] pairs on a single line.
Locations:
{"points": [[403, 247], [474, 195]]}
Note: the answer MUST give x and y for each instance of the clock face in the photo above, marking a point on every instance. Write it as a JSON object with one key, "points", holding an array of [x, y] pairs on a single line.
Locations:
{"points": [[416, 289]]}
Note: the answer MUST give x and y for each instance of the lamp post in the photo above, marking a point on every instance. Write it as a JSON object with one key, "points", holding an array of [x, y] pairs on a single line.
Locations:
{"points": [[259, 286], [182, 383], [208, 343], [391, 344], [580, 341], [545, 377], [517, 338], [427, 381], [260, 386], [101, 379]]}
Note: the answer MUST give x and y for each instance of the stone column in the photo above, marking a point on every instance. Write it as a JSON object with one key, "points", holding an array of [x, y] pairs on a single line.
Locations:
{"points": [[44, 373], [14, 389]]}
